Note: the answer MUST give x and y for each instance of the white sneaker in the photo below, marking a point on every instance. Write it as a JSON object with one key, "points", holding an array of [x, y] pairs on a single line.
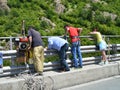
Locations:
{"points": [[106, 62], [102, 63]]}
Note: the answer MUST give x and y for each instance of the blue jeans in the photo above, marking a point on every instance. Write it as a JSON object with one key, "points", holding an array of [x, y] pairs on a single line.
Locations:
{"points": [[76, 53], [62, 56]]}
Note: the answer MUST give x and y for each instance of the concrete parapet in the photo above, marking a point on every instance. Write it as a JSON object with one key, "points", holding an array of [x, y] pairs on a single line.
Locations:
{"points": [[54, 80]]}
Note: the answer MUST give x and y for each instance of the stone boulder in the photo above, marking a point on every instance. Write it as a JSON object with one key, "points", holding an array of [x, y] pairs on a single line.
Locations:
{"points": [[3, 5], [59, 8]]}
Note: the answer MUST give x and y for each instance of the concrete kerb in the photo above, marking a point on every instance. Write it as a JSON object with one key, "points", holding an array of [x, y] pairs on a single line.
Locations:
{"points": [[54, 80], [83, 76]]}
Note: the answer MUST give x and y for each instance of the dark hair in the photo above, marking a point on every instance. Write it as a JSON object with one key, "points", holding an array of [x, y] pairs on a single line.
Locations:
{"points": [[66, 26], [94, 29], [30, 27]]}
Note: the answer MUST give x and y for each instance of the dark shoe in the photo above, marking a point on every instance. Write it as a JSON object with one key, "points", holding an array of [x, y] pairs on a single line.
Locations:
{"points": [[80, 66], [64, 70], [67, 70], [76, 67], [61, 71], [40, 73]]}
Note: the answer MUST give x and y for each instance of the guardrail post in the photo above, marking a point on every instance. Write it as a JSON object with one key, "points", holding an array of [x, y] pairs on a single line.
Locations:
{"points": [[11, 47], [108, 41], [12, 61], [114, 48]]}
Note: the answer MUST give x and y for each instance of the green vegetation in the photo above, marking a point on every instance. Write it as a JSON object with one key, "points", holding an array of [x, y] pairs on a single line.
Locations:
{"points": [[87, 14]]}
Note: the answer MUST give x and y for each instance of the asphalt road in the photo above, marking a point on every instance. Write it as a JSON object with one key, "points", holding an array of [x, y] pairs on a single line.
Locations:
{"points": [[112, 83]]}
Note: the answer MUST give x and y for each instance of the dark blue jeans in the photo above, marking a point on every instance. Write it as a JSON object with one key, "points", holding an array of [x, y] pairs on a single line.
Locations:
{"points": [[63, 57], [76, 53]]}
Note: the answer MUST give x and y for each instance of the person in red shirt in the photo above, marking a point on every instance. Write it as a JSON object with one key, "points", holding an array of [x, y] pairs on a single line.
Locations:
{"points": [[75, 47]]}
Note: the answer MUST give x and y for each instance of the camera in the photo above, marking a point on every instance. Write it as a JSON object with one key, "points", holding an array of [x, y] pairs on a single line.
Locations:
{"points": [[22, 43]]}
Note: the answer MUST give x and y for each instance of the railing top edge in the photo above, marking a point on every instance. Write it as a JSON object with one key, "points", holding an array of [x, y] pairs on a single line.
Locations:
{"points": [[111, 36], [85, 46], [8, 51]]}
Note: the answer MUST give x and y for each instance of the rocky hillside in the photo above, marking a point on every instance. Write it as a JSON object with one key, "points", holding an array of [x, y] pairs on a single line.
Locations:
{"points": [[50, 16]]}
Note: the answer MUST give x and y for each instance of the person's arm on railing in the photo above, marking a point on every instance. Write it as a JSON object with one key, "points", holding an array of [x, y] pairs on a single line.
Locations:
{"points": [[92, 33], [80, 30]]}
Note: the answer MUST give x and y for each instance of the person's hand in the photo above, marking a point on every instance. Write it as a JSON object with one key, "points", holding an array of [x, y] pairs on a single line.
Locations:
{"points": [[80, 29], [45, 48], [91, 33]]}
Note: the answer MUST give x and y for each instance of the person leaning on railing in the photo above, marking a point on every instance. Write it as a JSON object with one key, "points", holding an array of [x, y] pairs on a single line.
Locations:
{"points": [[61, 45], [100, 44]]}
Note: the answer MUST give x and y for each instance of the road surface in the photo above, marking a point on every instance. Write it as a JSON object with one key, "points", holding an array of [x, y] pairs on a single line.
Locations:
{"points": [[112, 83]]}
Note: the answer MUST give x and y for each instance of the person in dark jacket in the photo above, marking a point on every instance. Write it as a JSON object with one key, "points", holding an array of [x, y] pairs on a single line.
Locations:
{"points": [[36, 44]]}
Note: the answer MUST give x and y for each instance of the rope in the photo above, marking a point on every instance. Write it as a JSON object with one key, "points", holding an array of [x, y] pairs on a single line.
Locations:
{"points": [[32, 83], [36, 83]]}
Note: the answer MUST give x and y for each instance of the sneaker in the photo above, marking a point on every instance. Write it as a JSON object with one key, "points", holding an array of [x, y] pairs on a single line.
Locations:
{"points": [[106, 62], [101, 63], [80, 66], [67, 70], [72, 68], [40, 73]]}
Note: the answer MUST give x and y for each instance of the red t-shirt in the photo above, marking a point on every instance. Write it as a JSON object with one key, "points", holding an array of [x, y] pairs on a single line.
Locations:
{"points": [[72, 33]]}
